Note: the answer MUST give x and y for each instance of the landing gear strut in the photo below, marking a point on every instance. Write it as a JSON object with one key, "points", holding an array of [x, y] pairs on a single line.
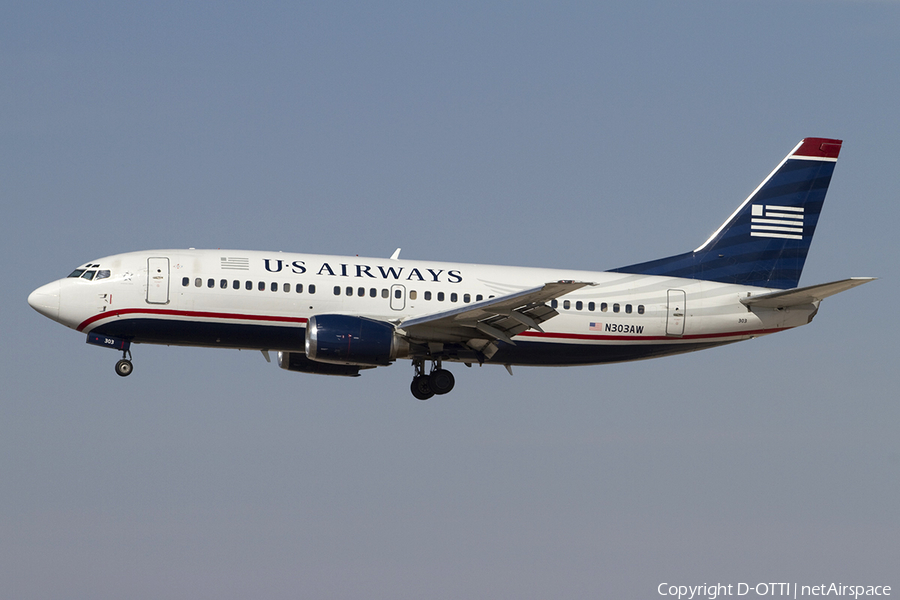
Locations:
{"points": [[438, 381]]}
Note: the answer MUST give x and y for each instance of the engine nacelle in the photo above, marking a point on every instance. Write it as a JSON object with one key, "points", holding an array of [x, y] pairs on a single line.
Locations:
{"points": [[349, 340], [297, 361]]}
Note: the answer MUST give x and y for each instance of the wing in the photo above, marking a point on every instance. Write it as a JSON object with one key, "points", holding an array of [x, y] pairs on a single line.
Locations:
{"points": [[481, 325], [804, 295]]}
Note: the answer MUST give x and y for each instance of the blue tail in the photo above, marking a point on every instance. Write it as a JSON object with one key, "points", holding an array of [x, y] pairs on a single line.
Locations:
{"points": [[765, 241]]}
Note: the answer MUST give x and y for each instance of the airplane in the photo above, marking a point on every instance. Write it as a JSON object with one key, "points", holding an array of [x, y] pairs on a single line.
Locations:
{"points": [[339, 315]]}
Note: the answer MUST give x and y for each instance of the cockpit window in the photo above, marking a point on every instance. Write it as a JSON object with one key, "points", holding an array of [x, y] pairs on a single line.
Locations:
{"points": [[102, 274], [89, 275], [76, 273]]}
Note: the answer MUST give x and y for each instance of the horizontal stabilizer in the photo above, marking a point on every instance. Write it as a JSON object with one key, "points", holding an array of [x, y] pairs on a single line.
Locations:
{"points": [[804, 295]]}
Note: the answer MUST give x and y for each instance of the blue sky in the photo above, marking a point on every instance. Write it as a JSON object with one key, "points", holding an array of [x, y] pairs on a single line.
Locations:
{"points": [[557, 135]]}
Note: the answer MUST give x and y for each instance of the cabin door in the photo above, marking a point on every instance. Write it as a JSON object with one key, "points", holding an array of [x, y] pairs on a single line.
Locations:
{"points": [[675, 314], [158, 280]]}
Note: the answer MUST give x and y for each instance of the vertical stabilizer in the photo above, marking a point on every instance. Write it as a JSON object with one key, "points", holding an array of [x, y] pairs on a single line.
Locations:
{"points": [[765, 241]]}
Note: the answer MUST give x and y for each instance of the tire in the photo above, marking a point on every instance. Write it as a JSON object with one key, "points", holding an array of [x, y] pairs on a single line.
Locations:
{"points": [[420, 388], [441, 381], [124, 368]]}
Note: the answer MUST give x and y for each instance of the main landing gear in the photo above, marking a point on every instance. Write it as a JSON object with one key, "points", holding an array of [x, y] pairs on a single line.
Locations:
{"points": [[438, 381]]}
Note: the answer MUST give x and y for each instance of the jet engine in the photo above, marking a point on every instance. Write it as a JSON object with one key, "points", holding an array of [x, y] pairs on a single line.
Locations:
{"points": [[350, 340]]}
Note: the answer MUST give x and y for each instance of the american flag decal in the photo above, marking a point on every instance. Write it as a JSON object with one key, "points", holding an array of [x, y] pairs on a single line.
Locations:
{"points": [[235, 264], [596, 327], [785, 222]]}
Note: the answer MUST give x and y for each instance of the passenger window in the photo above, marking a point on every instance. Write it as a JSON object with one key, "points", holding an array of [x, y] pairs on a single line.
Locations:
{"points": [[185, 281], [428, 295], [299, 288], [287, 287], [398, 294], [640, 309], [384, 293], [198, 282], [102, 274], [616, 307], [274, 286], [591, 306], [412, 294], [361, 292], [373, 293], [337, 290], [566, 304], [554, 304], [604, 307], [479, 298], [223, 284], [628, 308], [579, 305], [262, 286], [349, 291], [236, 284], [467, 298], [440, 296], [248, 285], [210, 283], [312, 288], [454, 297]]}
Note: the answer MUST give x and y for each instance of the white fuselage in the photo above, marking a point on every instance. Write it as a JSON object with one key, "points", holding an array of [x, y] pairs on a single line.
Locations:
{"points": [[262, 300]]}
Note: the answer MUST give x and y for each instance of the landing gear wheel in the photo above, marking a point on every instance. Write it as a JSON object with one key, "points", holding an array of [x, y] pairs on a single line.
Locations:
{"points": [[124, 368], [420, 387], [441, 381]]}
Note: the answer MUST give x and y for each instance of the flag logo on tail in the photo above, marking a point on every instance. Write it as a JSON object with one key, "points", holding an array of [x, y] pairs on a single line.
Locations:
{"points": [[785, 222]]}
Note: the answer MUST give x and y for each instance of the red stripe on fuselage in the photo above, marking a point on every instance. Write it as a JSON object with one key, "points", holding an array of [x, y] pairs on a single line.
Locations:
{"points": [[646, 338], [189, 313]]}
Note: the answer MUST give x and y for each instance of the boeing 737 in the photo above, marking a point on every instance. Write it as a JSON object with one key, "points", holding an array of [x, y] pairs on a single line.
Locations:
{"points": [[339, 315]]}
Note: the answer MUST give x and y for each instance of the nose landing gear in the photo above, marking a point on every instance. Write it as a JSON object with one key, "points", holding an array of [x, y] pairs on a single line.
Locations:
{"points": [[439, 381], [124, 366]]}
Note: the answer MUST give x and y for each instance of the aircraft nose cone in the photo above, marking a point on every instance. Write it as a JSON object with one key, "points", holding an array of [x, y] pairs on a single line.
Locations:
{"points": [[45, 300]]}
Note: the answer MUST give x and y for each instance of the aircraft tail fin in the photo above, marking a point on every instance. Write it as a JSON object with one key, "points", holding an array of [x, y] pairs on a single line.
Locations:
{"points": [[765, 241]]}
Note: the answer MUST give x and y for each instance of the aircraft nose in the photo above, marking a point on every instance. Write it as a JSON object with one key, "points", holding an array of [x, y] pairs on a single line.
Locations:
{"points": [[45, 300]]}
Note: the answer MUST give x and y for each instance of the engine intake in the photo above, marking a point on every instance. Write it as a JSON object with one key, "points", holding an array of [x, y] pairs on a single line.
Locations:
{"points": [[349, 340]]}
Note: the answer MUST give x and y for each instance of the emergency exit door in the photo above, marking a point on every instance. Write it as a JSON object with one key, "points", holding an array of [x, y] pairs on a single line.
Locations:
{"points": [[158, 280], [398, 297]]}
